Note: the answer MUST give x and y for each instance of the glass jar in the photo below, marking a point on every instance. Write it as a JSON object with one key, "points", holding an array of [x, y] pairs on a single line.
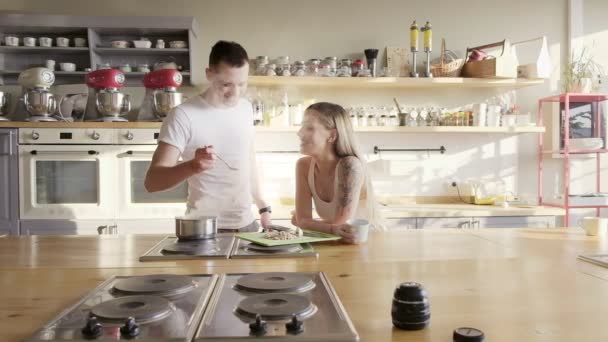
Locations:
{"points": [[383, 120], [299, 69], [393, 120], [270, 70], [421, 119], [325, 70], [344, 69], [283, 68], [260, 65], [412, 118], [356, 67], [333, 64], [312, 67], [371, 120]]}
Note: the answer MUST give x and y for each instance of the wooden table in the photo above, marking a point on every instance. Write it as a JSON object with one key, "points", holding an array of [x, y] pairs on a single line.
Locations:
{"points": [[514, 284]]}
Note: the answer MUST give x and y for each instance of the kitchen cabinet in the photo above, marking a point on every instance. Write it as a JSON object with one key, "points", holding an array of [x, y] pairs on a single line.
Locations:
{"points": [[9, 182], [64, 227], [100, 32], [400, 223], [514, 222], [443, 222]]}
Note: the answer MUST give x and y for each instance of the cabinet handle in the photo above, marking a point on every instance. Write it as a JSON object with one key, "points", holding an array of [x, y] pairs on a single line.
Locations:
{"points": [[95, 135], [35, 135], [129, 135], [90, 152]]}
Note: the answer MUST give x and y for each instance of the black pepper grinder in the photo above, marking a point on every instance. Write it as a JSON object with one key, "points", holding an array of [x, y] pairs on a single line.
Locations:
{"points": [[371, 55], [411, 309]]}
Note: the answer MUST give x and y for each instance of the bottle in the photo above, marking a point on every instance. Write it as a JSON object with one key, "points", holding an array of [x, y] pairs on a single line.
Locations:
{"points": [[428, 36], [414, 36]]}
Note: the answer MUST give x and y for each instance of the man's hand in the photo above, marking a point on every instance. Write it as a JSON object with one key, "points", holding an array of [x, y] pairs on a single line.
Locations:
{"points": [[265, 219], [203, 159]]}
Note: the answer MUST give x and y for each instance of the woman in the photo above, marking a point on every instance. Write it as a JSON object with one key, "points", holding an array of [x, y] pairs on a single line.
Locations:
{"points": [[332, 175]]}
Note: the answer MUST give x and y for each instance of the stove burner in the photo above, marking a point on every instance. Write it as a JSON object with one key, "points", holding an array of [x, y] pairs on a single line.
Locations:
{"points": [[142, 309], [275, 249], [276, 307], [156, 284], [194, 247], [275, 282]]}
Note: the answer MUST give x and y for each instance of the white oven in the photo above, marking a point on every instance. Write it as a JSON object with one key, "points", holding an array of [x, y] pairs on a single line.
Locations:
{"points": [[133, 158], [66, 174]]}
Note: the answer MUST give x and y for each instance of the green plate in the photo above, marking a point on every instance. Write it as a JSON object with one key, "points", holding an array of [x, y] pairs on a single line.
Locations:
{"points": [[309, 236]]}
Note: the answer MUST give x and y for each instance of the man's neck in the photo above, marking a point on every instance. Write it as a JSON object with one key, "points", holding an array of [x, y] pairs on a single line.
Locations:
{"points": [[213, 99]]}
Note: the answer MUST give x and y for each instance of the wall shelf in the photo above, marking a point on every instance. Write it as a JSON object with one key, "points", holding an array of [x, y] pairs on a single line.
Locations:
{"points": [[440, 129], [140, 52], [41, 49], [392, 82]]}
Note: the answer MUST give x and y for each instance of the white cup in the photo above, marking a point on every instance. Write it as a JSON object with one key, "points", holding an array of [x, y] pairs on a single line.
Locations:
{"points": [[595, 226], [80, 42], [11, 41], [50, 64], [63, 42], [29, 41], [45, 41], [362, 228], [67, 66]]}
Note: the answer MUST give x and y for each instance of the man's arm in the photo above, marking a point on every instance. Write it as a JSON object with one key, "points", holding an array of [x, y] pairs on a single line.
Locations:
{"points": [[164, 172]]}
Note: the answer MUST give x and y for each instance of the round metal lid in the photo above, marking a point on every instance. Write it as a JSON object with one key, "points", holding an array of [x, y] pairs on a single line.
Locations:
{"points": [[142, 308], [156, 284], [194, 247], [276, 306], [275, 249], [275, 282]]}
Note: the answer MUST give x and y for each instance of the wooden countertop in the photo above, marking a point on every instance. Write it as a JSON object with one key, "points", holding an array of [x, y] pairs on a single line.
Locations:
{"points": [[514, 284], [24, 124]]}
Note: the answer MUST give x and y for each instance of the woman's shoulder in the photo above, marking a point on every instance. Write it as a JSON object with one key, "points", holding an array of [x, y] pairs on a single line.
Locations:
{"points": [[349, 163], [303, 163]]}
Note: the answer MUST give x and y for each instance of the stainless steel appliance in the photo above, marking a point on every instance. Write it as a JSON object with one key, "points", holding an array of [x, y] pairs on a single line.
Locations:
{"points": [[105, 102], [37, 103], [9, 180], [143, 308], [275, 306], [4, 98], [171, 248], [161, 94]]}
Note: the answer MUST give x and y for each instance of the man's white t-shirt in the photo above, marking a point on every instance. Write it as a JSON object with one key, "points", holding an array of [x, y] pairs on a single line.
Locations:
{"points": [[218, 191]]}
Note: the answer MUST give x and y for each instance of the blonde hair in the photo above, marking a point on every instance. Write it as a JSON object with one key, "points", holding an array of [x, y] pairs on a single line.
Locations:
{"points": [[333, 116]]}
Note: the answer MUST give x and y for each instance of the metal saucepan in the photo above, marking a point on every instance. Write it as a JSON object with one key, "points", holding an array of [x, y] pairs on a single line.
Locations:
{"points": [[195, 227]]}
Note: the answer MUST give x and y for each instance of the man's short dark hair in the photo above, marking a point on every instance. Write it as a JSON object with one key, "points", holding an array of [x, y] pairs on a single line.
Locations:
{"points": [[230, 53]]}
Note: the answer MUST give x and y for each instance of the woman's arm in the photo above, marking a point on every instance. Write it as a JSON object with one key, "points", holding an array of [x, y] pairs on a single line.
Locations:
{"points": [[350, 182]]}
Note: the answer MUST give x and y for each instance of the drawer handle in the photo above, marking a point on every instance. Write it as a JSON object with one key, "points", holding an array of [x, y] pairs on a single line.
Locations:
{"points": [[90, 152]]}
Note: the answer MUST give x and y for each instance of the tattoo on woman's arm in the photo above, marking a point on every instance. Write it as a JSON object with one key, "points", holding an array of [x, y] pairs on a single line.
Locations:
{"points": [[349, 181]]}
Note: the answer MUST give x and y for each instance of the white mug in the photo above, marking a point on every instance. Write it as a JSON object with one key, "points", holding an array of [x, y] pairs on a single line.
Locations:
{"points": [[29, 41], [595, 226], [50, 64], [80, 42], [45, 41], [362, 228], [11, 41], [63, 42]]}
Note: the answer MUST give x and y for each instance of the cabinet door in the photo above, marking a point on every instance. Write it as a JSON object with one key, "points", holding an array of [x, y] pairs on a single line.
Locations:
{"points": [[514, 222], [64, 227], [9, 193], [156, 226], [400, 224], [443, 222]]}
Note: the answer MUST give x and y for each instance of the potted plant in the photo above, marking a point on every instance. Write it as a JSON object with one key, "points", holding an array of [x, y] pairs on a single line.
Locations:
{"points": [[579, 73]]}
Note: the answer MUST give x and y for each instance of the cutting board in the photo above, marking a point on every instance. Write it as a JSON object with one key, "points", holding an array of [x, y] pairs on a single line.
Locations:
{"points": [[309, 236]]}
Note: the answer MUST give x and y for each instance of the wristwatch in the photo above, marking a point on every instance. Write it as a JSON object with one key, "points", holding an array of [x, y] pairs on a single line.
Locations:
{"points": [[265, 210]]}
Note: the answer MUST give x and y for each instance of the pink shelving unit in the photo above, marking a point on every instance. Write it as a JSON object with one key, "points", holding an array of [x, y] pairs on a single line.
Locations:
{"points": [[598, 129]]}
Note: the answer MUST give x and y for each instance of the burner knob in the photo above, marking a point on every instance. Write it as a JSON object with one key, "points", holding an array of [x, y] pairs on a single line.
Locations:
{"points": [[95, 136], [295, 326], [92, 329], [258, 327], [129, 135], [35, 135], [130, 329]]}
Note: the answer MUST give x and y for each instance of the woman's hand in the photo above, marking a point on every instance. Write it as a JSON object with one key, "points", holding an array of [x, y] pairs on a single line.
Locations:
{"points": [[347, 232]]}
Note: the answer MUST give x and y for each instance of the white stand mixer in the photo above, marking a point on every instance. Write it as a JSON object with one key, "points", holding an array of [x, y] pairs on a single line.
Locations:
{"points": [[37, 103]]}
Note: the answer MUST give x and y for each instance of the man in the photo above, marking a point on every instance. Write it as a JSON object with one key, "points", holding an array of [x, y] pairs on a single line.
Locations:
{"points": [[217, 124]]}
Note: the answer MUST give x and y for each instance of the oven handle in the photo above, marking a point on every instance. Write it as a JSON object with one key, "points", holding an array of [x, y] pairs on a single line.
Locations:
{"points": [[130, 152], [10, 141], [89, 152]]}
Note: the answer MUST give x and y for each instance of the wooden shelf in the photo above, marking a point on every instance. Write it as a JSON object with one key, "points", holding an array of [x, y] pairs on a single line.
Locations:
{"points": [[440, 129], [57, 72], [392, 82], [140, 51], [40, 49]]}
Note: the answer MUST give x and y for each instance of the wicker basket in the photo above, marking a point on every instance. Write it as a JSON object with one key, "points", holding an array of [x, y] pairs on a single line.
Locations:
{"points": [[450, 69]]}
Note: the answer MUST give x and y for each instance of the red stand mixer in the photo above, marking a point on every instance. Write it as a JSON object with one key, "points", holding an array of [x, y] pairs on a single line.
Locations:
{"points": [[105, 102], [161, 94]]}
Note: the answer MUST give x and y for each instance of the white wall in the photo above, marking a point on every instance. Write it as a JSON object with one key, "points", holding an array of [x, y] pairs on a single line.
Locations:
{"points": [[306, 29]]}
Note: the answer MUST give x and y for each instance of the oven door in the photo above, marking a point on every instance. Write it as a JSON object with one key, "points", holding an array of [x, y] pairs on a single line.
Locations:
{"points": [[134, 201], [67, 182]]}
